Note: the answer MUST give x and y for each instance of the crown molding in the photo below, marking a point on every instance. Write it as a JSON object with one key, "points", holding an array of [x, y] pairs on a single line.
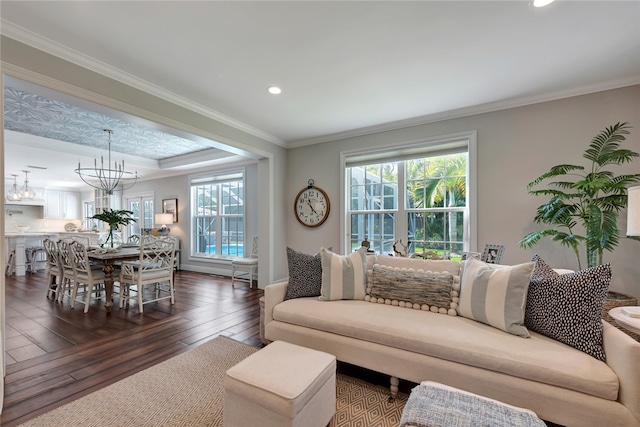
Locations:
{"points": [[36, 41], [469, 111]]}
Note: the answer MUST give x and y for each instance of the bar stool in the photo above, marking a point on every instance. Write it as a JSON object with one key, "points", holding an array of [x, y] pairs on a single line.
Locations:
{"points": [[11, 263], [32, 258]]}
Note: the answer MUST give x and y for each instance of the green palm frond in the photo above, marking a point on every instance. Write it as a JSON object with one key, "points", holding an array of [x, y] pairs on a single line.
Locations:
{"points": [[115, 217], [555, 171], [606, 143]]}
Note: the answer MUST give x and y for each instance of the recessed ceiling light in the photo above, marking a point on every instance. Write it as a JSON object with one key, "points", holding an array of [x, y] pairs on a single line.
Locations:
{"points": [[541, 3], [274, 90]]}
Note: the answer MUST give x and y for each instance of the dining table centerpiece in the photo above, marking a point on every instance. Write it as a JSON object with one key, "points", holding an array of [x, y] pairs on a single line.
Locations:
{"points": [[115, 218]]}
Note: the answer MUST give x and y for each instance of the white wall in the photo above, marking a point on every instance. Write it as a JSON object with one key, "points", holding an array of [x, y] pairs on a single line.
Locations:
{"points": [[514, 147]]}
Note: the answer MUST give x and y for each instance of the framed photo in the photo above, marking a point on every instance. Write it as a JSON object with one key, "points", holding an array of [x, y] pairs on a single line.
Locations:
{"points": [[492, 254], [170, 206]]}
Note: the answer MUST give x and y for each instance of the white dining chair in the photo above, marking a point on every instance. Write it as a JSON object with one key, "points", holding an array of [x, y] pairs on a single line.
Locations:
{"points": [[54, 268], [243, 269], [87, 276], [153, 270], [66, 264]]}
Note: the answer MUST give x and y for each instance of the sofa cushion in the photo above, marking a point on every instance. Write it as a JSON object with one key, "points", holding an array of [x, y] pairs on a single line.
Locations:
{"points": [[568, 307], [305, 274], [456, 339], [343, 277], [495, 294], [421, 290]]}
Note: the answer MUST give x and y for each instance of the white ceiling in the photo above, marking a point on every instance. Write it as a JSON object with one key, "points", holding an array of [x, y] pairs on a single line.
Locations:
{"points": [[345, 67]]}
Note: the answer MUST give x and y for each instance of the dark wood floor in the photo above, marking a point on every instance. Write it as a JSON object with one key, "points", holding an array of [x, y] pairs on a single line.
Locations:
{"points": [[56, 354]]}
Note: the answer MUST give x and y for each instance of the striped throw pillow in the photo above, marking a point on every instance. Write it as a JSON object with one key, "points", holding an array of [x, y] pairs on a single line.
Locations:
{"points": [[496, 294], [343, 277]]}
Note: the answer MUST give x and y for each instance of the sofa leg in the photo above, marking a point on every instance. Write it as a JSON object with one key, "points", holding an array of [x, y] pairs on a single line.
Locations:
{"points": [[394, 387]]}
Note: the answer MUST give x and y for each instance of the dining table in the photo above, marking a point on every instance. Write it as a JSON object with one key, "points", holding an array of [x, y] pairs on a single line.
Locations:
{"points": [[108, 257]]}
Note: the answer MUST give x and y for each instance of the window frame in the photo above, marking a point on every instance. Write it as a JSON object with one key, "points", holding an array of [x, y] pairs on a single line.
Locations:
{"points": [[404, 150], [215, 177]]}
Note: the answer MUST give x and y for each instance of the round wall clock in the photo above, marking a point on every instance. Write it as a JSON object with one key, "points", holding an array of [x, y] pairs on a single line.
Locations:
{"points": [[311, 206]]}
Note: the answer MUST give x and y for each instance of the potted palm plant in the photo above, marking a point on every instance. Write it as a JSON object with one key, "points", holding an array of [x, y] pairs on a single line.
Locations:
{"points": [[114, 218], [586, 199], [591, 197]]}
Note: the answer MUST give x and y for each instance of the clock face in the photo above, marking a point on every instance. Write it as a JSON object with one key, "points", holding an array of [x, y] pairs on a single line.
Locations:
{"points": [[311, 206]]}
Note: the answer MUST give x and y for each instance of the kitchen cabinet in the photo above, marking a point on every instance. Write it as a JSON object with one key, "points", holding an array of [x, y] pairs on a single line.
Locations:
{"points": [[103, 200], [62, 204]]}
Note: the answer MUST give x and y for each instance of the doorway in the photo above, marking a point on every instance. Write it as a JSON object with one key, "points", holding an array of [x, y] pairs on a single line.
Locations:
{"points": [[142, 207]]}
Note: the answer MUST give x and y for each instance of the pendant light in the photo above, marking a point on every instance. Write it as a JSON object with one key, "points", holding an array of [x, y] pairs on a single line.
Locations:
{"points": [[26, 192], [13, 195]]}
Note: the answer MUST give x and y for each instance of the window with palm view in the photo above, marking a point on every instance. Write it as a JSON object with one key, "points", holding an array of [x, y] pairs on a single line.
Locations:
{"points": [[420, 201], [217, 207]]}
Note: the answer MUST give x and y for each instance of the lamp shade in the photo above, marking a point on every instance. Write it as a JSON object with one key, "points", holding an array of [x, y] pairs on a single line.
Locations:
{"points": [[633, 211], [164, 219]]}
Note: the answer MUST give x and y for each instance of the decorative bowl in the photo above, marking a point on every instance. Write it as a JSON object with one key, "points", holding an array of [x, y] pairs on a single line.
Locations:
{"points": [[22, 228]]}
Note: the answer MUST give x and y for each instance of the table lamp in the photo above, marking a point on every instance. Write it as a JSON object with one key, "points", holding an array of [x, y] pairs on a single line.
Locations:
{"points": [[162, 220], [633, 211]]}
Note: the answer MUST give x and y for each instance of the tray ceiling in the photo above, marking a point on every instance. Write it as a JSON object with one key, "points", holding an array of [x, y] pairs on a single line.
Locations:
{"points": [[58, 121]]}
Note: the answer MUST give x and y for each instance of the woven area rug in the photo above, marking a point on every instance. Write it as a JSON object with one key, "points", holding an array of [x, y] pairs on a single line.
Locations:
{"points": [[187, 390]]}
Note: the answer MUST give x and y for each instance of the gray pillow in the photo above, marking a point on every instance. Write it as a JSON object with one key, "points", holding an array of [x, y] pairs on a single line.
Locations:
{"points": [[305, 274], [423, 290]]}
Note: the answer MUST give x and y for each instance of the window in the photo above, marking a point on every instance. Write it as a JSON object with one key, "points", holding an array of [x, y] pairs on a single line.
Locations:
{"points": [[89, 211], [217, 208], [416, 196]]}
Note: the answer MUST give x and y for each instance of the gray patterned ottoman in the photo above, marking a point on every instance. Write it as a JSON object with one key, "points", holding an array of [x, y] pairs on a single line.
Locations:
{"points": [[432, 404]]}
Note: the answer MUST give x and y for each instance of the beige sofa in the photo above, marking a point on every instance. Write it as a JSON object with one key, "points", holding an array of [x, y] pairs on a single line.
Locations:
{"points": [[561, 384]]}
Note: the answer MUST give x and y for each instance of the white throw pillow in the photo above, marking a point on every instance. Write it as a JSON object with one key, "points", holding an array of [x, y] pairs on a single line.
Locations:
{"points": [[496, 294]]}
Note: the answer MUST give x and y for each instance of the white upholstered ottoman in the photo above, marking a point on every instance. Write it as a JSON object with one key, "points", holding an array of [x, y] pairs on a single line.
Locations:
{"points": [[281, 385], [432, 404]]}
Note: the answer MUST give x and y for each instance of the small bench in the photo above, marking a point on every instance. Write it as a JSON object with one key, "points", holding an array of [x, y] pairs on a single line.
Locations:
{"points": [[281, 385], [432, 404]]}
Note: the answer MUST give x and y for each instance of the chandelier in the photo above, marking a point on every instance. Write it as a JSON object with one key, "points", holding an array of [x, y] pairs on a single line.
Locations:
{"points": [[107, 179], [13, 195], [26, 192]]}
